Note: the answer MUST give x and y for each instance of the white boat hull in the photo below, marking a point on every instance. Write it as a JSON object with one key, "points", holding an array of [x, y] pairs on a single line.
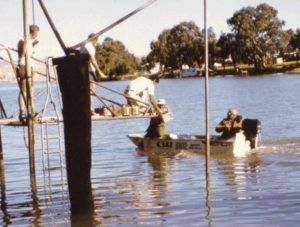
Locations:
{"points": [[237, 145]]}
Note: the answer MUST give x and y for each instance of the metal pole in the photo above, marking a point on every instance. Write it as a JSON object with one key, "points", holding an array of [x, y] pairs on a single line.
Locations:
{"points": [[206, 91], [207, 153], [30, 122]]}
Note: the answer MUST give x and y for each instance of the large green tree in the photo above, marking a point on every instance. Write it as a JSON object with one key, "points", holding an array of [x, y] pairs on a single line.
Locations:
{"points": [[258, 34], [114, 59], [183, 44], [295, 40], [226, 47]]}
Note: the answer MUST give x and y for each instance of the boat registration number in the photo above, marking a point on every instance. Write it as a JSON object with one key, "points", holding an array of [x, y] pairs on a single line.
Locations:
{"points": [[170, 144]]}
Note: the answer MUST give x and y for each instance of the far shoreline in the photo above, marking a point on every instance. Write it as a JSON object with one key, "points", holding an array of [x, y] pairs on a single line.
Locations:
{"points": [[289, 68]]}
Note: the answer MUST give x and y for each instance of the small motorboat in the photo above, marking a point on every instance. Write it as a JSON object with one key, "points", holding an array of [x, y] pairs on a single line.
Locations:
{"points": [[243, 141]]}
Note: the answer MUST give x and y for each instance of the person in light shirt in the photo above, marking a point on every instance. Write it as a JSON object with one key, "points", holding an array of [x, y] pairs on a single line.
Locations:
{"points": [[94, 70], [90, 48], [140, 90], [23, 48]]}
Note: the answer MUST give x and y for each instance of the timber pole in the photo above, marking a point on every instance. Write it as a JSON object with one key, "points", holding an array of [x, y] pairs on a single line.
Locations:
{"points": [[30, 122], [52, 25], [73, 78], [145, 5], [3, 203]]}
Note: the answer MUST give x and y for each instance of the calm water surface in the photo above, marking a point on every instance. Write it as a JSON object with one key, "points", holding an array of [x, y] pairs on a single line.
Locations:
{"points": [[132, 188]]}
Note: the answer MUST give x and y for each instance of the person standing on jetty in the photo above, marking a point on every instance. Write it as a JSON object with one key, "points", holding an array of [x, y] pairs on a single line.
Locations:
{"points": [[94, 70], [23, 48]]}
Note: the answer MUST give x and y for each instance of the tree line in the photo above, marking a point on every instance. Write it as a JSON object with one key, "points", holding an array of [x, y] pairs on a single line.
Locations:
{"points": [[256, 37]]}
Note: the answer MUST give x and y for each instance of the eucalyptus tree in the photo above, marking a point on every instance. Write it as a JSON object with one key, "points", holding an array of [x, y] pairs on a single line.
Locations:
{"points": [[212, 45], [159, 50], [294, 43], [114, 59], [182, 44], [258, 34], [227, 49], [295, 40]]}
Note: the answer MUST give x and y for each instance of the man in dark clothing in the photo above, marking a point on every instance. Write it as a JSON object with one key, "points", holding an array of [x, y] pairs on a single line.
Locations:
{"points": [[157, 124], [231, 125]]}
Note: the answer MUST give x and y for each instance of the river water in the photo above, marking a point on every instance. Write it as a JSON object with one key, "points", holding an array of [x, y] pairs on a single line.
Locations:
{"points": [[133, 188]]}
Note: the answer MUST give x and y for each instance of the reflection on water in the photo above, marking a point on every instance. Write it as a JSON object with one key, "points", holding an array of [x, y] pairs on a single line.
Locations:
{"points": [[136, 188], [161, 190], [6, 216]]}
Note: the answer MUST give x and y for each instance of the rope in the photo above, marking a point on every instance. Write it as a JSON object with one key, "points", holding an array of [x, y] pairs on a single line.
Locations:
{"points": [[110, 110], [119, 93], [33, 12]]}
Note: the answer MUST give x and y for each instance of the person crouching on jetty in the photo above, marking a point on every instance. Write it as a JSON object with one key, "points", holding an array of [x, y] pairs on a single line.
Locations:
{"points": [[140, 89]]}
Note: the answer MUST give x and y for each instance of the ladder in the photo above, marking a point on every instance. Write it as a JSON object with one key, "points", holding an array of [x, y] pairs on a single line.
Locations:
{"points": [[51, 133], [52, 142]]}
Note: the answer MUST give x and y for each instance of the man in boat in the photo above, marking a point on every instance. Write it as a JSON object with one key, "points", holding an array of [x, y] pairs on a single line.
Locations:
{"points": [[94, 70], [23, 48], [230, 125], [157, 124], [140, 89]]}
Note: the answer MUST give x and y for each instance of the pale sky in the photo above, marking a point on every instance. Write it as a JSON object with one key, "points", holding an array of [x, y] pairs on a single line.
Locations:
{"points": [[75, 19]]}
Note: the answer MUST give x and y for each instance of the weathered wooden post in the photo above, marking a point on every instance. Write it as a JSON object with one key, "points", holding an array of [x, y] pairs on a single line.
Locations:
{"points": [[30, 122], [73, 80], [3, 203]]}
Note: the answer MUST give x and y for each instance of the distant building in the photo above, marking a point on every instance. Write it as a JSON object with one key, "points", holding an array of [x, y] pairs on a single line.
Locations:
{"points": [[189, 72], [218, 65], [279, 60], [155, 69]]}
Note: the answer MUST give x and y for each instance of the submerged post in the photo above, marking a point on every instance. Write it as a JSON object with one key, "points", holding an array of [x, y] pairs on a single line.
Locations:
{"points": [[3, 203], [73, 80]]}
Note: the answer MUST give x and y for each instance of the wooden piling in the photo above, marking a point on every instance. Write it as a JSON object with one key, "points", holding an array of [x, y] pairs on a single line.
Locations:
{"points": [[1, 154], [29, 106], [3, 203], [73, 80]]}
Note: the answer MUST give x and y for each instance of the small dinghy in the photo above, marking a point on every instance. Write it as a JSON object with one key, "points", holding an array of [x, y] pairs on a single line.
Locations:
{"points": [[243, 141]]}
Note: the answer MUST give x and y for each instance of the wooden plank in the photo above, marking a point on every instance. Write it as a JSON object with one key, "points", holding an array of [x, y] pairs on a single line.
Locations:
{"points": [[53, 119]]}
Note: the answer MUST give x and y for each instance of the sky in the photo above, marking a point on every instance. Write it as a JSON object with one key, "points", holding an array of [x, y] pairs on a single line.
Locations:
{"points": [[76, 19]]}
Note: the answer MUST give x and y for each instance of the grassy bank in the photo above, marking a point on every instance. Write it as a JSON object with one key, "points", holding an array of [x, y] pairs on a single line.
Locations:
{"points": [[242, 69]]}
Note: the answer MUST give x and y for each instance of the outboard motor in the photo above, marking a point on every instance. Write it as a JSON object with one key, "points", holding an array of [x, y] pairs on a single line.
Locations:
{"points": [[251, 128]]}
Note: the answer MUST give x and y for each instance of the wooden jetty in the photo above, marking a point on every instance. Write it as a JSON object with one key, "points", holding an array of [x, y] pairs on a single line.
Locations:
{"points": [[13, 121], [72, 81], [67, 81]]}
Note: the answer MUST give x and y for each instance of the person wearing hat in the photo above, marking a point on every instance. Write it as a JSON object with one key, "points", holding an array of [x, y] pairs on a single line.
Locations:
{"points": [[94, 70], [140, 89], [23, 48], [157, 126], [230, 125]]}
